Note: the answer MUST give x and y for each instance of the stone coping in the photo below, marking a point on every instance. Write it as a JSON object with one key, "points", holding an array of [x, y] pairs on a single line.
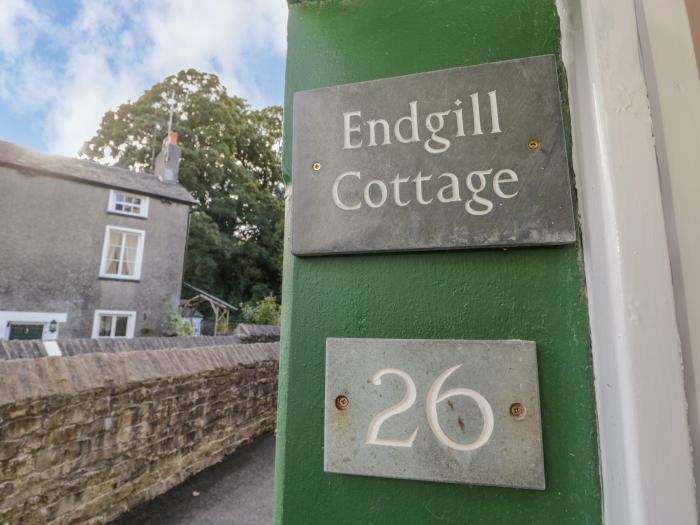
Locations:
{"points": [[69, 375]]}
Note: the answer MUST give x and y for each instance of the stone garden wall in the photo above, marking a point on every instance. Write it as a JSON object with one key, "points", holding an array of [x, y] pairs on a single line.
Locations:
{"points": [[34, 348], [87, 437]]}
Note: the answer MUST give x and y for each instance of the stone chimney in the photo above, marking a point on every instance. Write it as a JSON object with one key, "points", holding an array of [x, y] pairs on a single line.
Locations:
{"points": [[168, 160]]}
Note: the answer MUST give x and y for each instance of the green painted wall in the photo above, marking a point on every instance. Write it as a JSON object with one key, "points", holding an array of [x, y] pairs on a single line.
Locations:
{"points": [[524, 293]]}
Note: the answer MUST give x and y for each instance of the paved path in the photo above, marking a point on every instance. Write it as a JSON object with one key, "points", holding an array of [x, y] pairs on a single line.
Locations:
{"points": [[237, 491]]}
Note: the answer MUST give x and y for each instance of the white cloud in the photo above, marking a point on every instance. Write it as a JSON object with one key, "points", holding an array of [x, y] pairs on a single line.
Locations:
{"points": [[113, 52], [17, 17]]}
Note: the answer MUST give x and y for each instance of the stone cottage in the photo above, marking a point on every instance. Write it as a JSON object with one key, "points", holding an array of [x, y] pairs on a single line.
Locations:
{"points": [[88, 250]]}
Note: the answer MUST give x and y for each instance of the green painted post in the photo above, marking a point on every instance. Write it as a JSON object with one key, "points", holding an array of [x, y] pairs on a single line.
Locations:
{"points": [[522, 293]]}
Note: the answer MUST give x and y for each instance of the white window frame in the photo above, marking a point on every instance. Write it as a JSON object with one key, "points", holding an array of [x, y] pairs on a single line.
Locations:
{"points": [[112, 207], [124, 313], [104, 263]]}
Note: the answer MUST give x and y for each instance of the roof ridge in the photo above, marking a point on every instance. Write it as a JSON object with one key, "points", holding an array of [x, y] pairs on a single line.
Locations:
{"points": [[92, 172]]}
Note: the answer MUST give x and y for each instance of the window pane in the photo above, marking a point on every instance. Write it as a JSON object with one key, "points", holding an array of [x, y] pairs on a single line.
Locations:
{"points": [[115, 238], [119, 207], [105, 326], [129, 259], [127, 268], [132, 241], [122, 322], [114, 254], [113, 267]]}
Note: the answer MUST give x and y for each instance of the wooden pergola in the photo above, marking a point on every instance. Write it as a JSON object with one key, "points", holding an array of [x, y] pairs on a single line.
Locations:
{"points": [[220, 307]]}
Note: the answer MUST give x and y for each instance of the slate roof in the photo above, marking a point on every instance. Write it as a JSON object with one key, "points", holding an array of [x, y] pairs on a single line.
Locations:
{"points": [[89, 172]]}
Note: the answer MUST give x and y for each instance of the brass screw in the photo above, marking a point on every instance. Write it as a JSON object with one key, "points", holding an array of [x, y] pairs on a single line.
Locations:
{"points": [[534, 144], [518, 411], [342, 402], [316, 166]]}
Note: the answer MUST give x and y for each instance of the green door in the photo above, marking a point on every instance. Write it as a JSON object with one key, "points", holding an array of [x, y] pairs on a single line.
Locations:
{"points": [[26, 331]]}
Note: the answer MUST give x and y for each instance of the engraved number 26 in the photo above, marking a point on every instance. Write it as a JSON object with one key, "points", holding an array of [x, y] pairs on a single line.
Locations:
{"points": [[434, 397]]}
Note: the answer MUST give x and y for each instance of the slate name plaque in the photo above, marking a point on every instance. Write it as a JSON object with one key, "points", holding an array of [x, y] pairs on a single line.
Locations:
{"points": [[460, 158], [454, 411]]}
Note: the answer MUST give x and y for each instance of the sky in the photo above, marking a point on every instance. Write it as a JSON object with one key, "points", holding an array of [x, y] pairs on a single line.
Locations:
{"points": [[64, 63]]}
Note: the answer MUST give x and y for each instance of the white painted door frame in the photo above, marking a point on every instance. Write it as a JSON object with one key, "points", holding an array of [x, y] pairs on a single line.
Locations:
{"points": [[40, 318], [674, 95], [646, 461]]}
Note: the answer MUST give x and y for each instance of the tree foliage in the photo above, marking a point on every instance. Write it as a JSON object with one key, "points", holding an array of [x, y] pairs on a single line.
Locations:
{"points": [[175, 324], [231, 165], [266, 311]]}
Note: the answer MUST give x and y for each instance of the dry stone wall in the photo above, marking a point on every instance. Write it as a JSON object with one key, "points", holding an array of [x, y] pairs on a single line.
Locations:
{"points": [[87, 437]]}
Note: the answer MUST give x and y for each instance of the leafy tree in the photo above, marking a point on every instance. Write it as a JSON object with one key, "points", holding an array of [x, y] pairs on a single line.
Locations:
{"points": [[231, 165], [266, 311]]}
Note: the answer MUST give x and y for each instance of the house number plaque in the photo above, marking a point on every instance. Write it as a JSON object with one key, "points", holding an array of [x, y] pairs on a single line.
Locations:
{"points": [[437, 410], [460, 158]]}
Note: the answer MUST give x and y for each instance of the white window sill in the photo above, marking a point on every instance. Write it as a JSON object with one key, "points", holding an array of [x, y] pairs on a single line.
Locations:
{"points": [[108, 277], [125, 214]]}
